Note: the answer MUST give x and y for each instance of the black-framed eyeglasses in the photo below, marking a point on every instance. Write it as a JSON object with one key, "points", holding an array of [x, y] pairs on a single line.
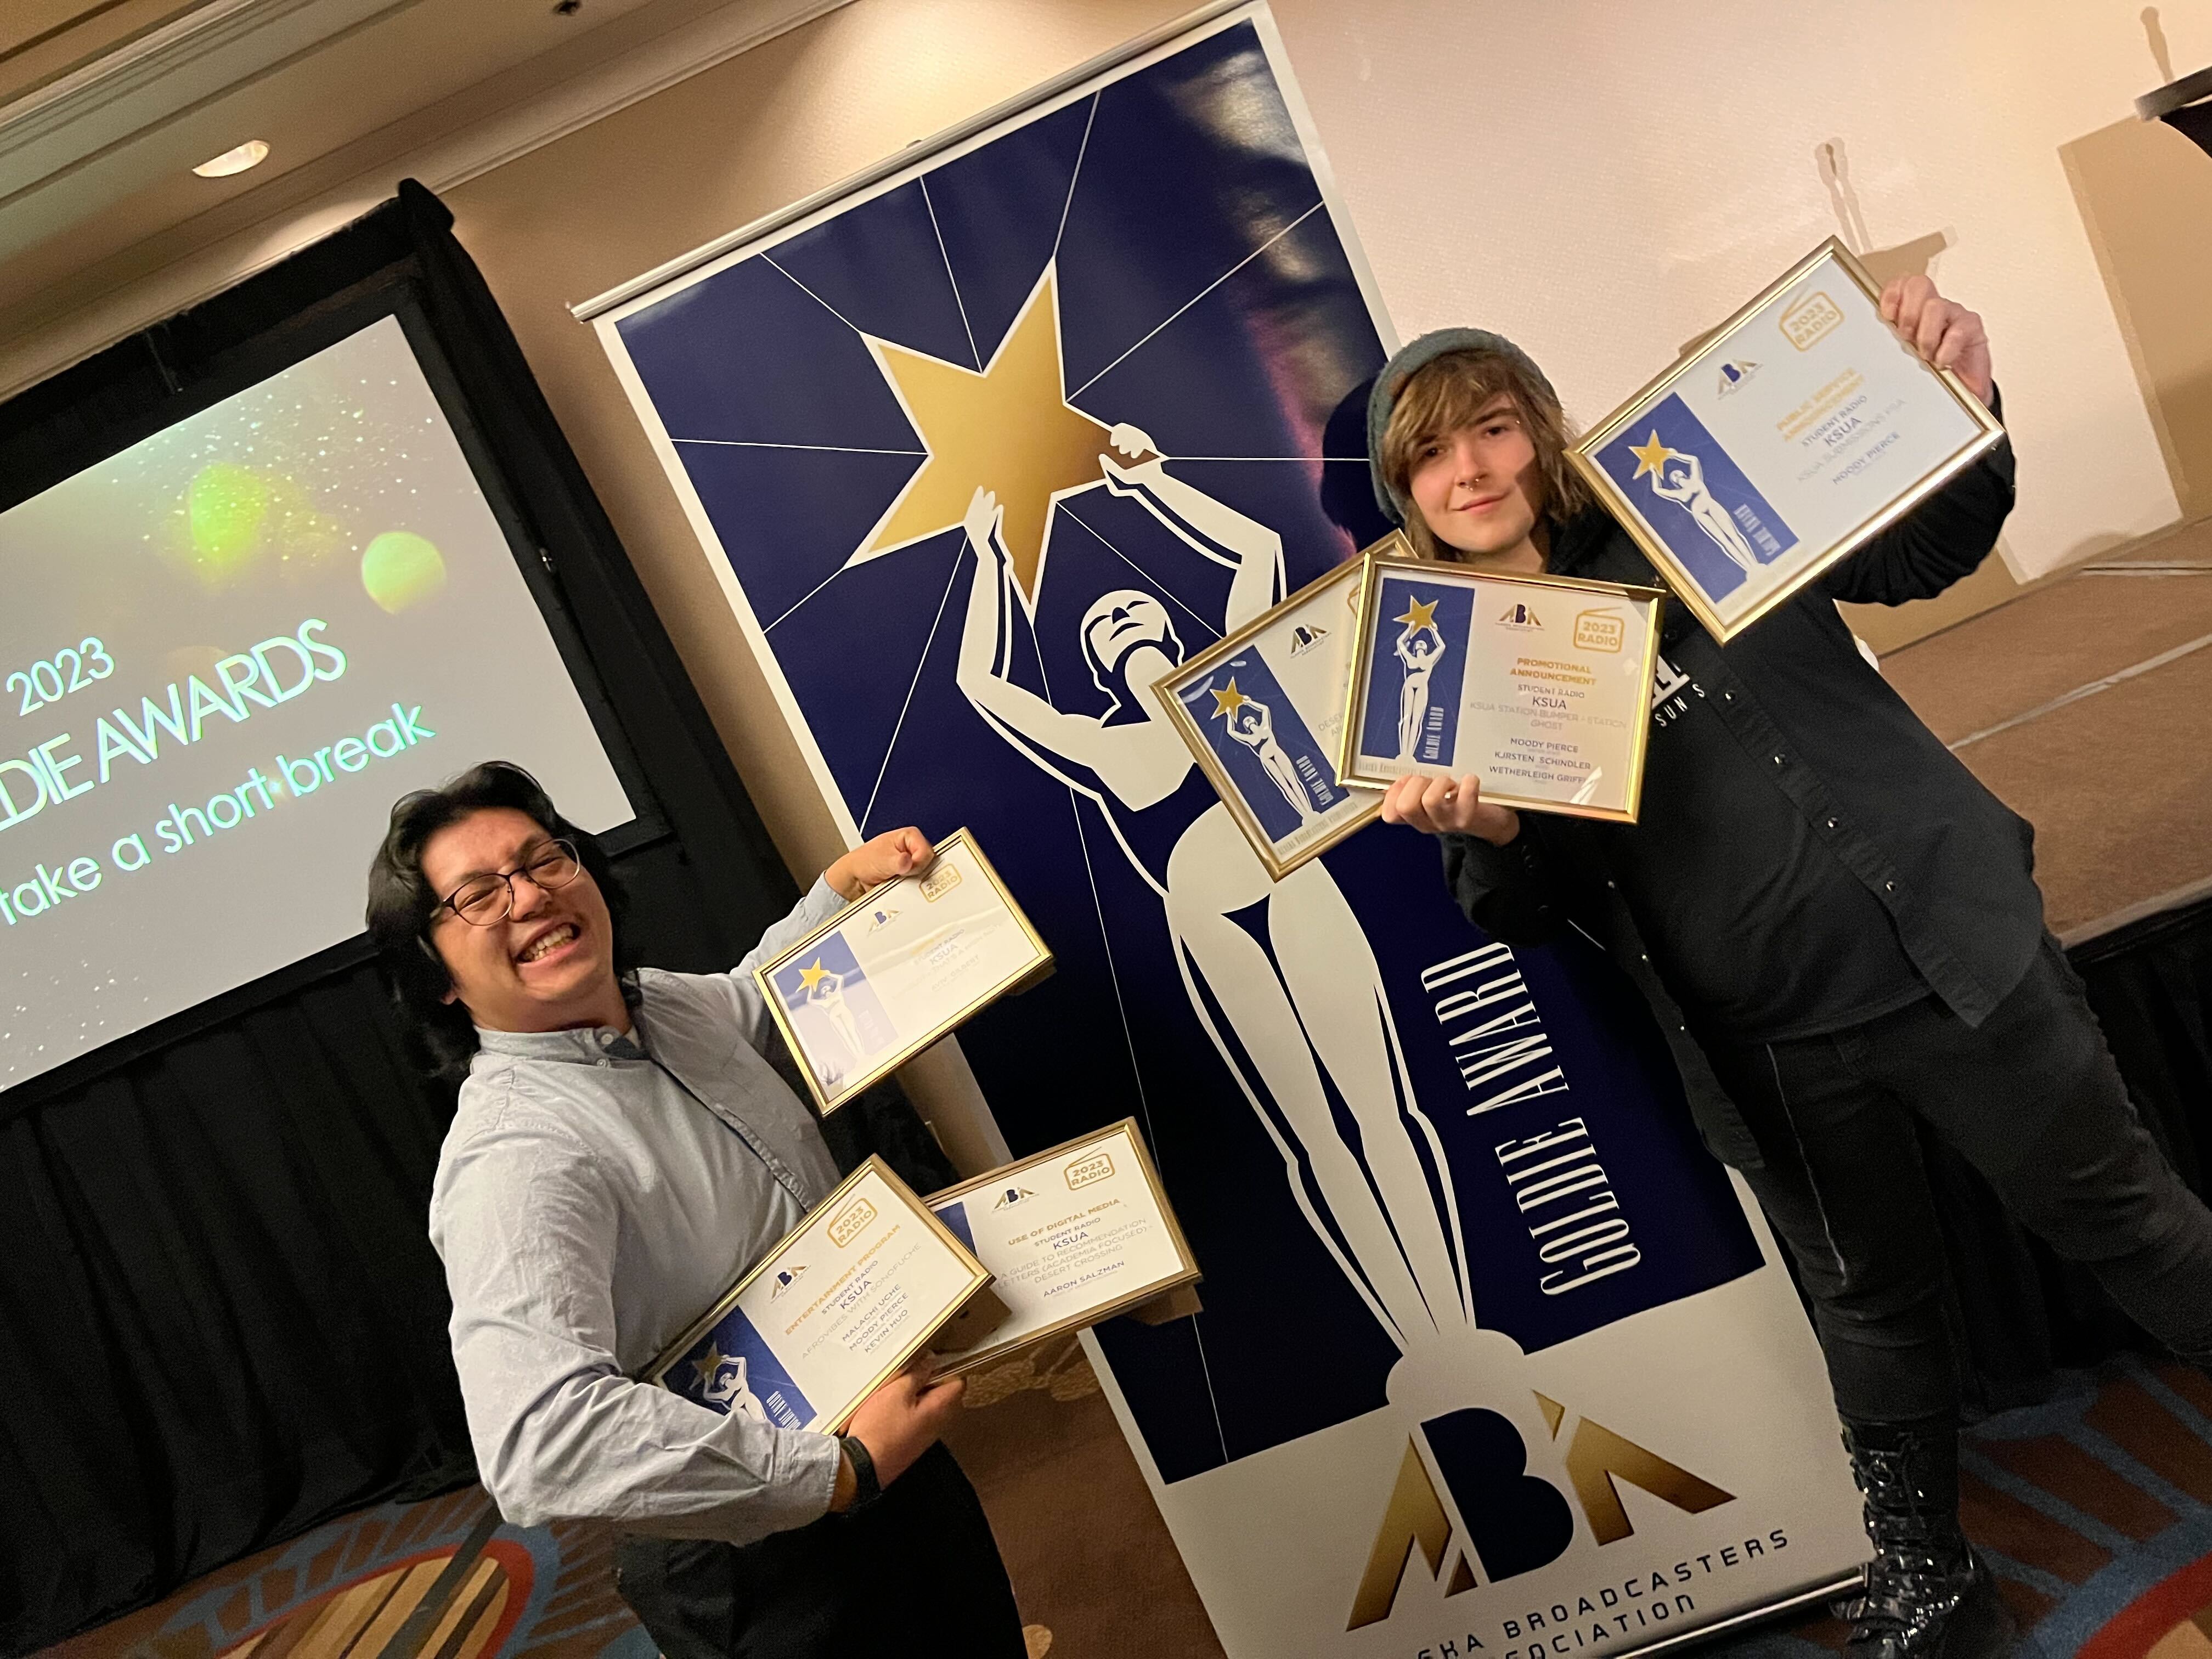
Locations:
{"points": [[486, 900]]}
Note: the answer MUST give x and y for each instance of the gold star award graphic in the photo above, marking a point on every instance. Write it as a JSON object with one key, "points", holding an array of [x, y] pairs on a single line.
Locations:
{"points": [[1650, 455], [1008, 429], [1419, 615], [711, 1365], [1226, 703]]}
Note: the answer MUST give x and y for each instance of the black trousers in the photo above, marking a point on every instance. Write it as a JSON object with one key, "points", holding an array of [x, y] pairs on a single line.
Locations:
{"points": [[2033, 1102], [916, 1571]]}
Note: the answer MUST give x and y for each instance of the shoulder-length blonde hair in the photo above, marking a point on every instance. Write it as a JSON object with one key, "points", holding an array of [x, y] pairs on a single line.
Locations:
{"points": [[1446, 393]]}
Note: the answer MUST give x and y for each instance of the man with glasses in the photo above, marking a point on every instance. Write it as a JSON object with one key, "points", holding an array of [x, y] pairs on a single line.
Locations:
{"points": [[620, 1153]]}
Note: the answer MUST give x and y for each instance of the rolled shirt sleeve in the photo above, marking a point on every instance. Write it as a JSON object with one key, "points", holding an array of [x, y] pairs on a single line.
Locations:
{"points": [[560, 1432]]}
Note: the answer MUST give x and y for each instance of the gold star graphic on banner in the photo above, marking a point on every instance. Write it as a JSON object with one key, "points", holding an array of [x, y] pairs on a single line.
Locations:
{"points": [[712, 1364], [1008, 430], [1419, 616], [811, 977], [1228, 703], [1650, 455]]}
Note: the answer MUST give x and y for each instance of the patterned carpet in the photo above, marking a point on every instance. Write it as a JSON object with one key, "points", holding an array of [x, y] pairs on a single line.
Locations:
{"points": [[2095, 1509]]}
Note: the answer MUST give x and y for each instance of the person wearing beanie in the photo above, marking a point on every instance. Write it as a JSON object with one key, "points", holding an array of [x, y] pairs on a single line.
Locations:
{"points": [[1836, 926]]}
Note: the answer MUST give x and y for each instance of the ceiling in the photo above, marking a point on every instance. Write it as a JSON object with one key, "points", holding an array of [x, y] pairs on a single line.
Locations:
{"points": [[106, 106]]}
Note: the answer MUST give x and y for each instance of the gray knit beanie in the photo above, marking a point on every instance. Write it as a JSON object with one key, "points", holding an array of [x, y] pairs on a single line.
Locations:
{"points": [[1401, 367]]}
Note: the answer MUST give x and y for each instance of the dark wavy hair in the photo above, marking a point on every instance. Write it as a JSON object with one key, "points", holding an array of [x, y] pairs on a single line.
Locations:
{"points": [[402, 904]]}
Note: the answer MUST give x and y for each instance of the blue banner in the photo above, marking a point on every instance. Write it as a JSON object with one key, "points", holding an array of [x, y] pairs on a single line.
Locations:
{"points": [[990, 448]]}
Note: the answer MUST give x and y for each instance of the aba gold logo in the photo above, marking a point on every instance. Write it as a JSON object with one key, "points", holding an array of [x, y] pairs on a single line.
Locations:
{"points": [[1517, 1522]]}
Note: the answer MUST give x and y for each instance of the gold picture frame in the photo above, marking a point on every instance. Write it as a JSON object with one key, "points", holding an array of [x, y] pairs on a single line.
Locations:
{"points": [[1307, 607], [1812, 319], [1187, 1273], [979, 1279], [1036, 967], [1380, 562]]}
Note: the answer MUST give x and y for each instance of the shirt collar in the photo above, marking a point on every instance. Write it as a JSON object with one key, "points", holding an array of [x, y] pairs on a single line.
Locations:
{"points": [[582, 1046]]}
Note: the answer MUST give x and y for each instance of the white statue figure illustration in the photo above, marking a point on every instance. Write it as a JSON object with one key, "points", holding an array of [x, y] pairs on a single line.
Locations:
{"points": [[1419, 647], [822, 991], [1688, 491], [1319, 1005], [733, 1393], [1252, 723]]}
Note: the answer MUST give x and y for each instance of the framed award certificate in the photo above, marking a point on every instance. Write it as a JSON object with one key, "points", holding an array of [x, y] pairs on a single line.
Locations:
{"points": [[897, 968], [1074, 1235], [1798, 429], [1539, 686], [1263, 711], [835, 1309]]}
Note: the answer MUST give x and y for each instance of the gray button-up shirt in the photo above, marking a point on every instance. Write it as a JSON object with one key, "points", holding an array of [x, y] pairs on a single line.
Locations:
{"points": [[587, 1209]]}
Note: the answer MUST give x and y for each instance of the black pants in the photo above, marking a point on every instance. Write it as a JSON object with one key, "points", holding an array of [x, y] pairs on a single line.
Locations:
{"points": [[2032, 1101], [916, 1571]]}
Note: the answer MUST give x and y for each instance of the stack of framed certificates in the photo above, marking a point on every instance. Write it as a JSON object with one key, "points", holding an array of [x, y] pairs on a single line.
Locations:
{"points": [[874, 1276], [1389, 664], [900, 967]]}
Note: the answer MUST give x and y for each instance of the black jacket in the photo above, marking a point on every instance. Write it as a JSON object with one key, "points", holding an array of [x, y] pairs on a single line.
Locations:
{"points": [[1950, 863]]}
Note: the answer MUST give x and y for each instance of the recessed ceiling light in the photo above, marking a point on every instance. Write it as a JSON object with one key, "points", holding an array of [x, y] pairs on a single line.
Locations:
{"points": [[251, 154]]}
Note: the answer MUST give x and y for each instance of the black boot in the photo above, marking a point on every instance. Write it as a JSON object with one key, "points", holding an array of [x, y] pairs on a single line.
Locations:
{"points": [[1926, 1595]]}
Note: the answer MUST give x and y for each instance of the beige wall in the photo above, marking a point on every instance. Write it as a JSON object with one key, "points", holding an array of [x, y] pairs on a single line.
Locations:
{"points": [[1603, 181], [1599, 179]]}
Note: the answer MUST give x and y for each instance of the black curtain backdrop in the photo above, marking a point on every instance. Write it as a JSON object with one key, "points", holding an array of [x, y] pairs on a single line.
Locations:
{"points": [[221, 1319]]}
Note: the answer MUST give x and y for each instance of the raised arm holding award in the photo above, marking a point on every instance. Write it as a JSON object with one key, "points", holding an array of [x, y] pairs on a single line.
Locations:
{"points": [[1798, 429]]}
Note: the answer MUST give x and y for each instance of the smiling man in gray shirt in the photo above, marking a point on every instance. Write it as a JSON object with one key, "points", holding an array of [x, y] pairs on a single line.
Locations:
{"points": [[621, 1152]]}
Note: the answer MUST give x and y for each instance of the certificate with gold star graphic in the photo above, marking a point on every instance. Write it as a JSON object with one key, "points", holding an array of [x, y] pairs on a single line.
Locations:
{"points": [[838, 1306], [1262, 712], [1797, 431], [900, 967], [1539, 686]]}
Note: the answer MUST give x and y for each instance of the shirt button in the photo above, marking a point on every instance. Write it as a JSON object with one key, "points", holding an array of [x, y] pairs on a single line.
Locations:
{"points": [[1832, 823], [1889, 887], [1778, 760], [1728, 696], [604, 1063]]}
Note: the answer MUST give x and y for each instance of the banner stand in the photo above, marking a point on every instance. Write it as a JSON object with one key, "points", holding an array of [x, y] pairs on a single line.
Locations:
{"points": [[1494, 1357]]}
